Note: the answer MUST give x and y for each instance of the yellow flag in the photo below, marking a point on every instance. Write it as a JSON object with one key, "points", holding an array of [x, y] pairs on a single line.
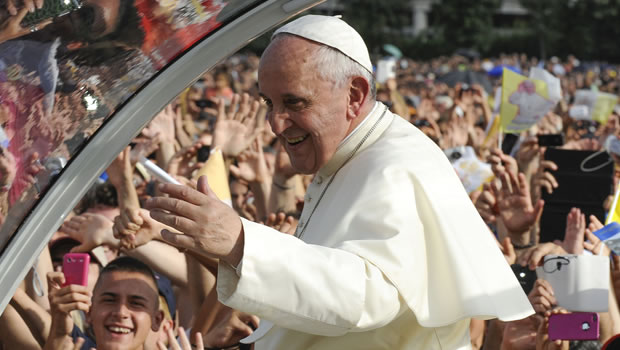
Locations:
{"points": [[603, 107], [524, 102], [215, 170], [492, 132], [614, 211]]}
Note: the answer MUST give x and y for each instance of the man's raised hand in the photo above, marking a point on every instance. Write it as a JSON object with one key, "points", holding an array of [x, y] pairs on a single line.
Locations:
{"points": [[238, 125], [209, 227]]}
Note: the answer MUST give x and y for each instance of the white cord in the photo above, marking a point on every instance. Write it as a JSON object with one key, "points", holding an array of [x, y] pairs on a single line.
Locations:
{"points": [[582, 166]]}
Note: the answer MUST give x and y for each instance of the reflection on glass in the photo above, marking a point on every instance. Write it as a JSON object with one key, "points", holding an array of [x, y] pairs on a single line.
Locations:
{"points": [[67, 67]]}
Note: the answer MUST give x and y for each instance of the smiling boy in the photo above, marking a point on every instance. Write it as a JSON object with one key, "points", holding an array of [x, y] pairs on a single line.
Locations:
{"points": [[124, 307]]}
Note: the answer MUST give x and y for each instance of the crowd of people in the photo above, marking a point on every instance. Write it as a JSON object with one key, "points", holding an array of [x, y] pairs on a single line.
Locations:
{"points": [[143, 291]]}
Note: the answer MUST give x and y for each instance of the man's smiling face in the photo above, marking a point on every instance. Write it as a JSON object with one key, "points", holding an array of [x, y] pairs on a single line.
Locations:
{"points": [[124, 309], [307, 112]]}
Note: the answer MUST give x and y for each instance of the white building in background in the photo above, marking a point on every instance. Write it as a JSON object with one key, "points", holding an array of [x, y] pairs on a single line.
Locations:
{"points": [[420, 12]]}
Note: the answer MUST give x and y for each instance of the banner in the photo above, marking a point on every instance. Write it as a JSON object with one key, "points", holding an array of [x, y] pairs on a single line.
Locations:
{"points": [[525, 101], [593, 105], [472, 172], [614, 211], [215, 170]]}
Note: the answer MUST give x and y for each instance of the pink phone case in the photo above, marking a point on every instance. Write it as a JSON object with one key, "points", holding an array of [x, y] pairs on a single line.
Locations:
{"points": [[75, 268], [574, 326]]}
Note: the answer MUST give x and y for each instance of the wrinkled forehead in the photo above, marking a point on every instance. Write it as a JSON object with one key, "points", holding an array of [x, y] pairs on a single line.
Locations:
{"points": [[288, 49]]}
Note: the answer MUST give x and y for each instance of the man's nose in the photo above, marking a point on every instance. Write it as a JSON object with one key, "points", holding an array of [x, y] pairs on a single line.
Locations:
{"points": [[121, 310], [279, 121]]}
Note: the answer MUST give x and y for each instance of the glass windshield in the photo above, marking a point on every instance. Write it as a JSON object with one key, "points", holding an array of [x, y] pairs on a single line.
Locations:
{"points": [[67, 67]]}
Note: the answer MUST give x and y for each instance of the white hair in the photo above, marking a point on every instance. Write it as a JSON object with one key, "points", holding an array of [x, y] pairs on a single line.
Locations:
{"points": [[337, 67]]}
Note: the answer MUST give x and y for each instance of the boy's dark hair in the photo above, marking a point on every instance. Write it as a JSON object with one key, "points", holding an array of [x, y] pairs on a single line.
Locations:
{"points": [[129, 264]]}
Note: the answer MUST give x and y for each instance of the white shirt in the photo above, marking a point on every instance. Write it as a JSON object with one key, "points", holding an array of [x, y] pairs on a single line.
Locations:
{"points": [[394, 256]]}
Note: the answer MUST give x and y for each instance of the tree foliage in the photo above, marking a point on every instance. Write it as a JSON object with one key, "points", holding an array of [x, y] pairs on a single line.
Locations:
{"points": [[586, 28], [464, 23], [379, 22]]}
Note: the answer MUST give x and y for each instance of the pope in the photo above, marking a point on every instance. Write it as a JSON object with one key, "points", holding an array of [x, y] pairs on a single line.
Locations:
{"points": [[389, 253]]}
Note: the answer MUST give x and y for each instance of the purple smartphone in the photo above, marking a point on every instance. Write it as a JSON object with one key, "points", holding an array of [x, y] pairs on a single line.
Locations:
{"points": [[574, 326], [75, 268]]}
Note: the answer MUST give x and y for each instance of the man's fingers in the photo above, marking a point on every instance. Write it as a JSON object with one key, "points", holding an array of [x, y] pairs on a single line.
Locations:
{"points": [[67, 308], [538, 208], [234, 103], [185, 193], [521, 183], [548, 165], [591, 237], [198, 341], [79, 343], [72, 297], [203, 187], [180, 223], [29, 4], [177, 240], [174, 206], [540, 182], [235, 171], [244, 108], [221, 110], [19, 16], [10, 6], [182, 337], [120, 228], [55, 280], [551, 179], [127, 223]]}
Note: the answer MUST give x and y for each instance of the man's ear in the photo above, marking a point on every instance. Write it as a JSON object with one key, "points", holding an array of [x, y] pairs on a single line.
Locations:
{"points": [[157, 320], [359, 90], [165, 326]]}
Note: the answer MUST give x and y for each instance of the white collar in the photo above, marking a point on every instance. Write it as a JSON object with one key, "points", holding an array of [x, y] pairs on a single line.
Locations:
{"points": [[359, 125]]}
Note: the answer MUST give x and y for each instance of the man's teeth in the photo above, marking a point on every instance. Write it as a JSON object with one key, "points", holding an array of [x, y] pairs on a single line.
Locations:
{"points": [[296, 139], [120, 330]]}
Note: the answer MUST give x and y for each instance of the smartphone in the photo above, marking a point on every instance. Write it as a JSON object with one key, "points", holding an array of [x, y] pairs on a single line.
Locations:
{"points": [[574, 326], [203, 153], [550, 140], [510, 140], [204, 103], [75, 268], [51, 9], [525, 276]]}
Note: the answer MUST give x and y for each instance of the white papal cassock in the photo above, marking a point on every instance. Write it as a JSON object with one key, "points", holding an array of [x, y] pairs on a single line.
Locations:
{"points": [[392, 254]]}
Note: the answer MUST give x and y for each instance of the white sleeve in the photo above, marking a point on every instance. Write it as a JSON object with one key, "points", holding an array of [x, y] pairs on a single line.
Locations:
{"points": [[309, 288]]}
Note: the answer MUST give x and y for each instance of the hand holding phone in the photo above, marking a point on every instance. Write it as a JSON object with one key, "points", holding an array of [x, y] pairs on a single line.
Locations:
{"points": [[574, 326], [75, 268]]}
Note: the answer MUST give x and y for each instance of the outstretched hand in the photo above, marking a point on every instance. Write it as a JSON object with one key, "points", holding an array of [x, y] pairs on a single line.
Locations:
{"points": [[237, 126], [91, 230], [514, 203], [209, 227], [135, 228]]}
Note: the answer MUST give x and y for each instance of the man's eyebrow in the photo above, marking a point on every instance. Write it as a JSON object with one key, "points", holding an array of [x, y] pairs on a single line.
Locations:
{"points": [[138, 296], [108, 294]]}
